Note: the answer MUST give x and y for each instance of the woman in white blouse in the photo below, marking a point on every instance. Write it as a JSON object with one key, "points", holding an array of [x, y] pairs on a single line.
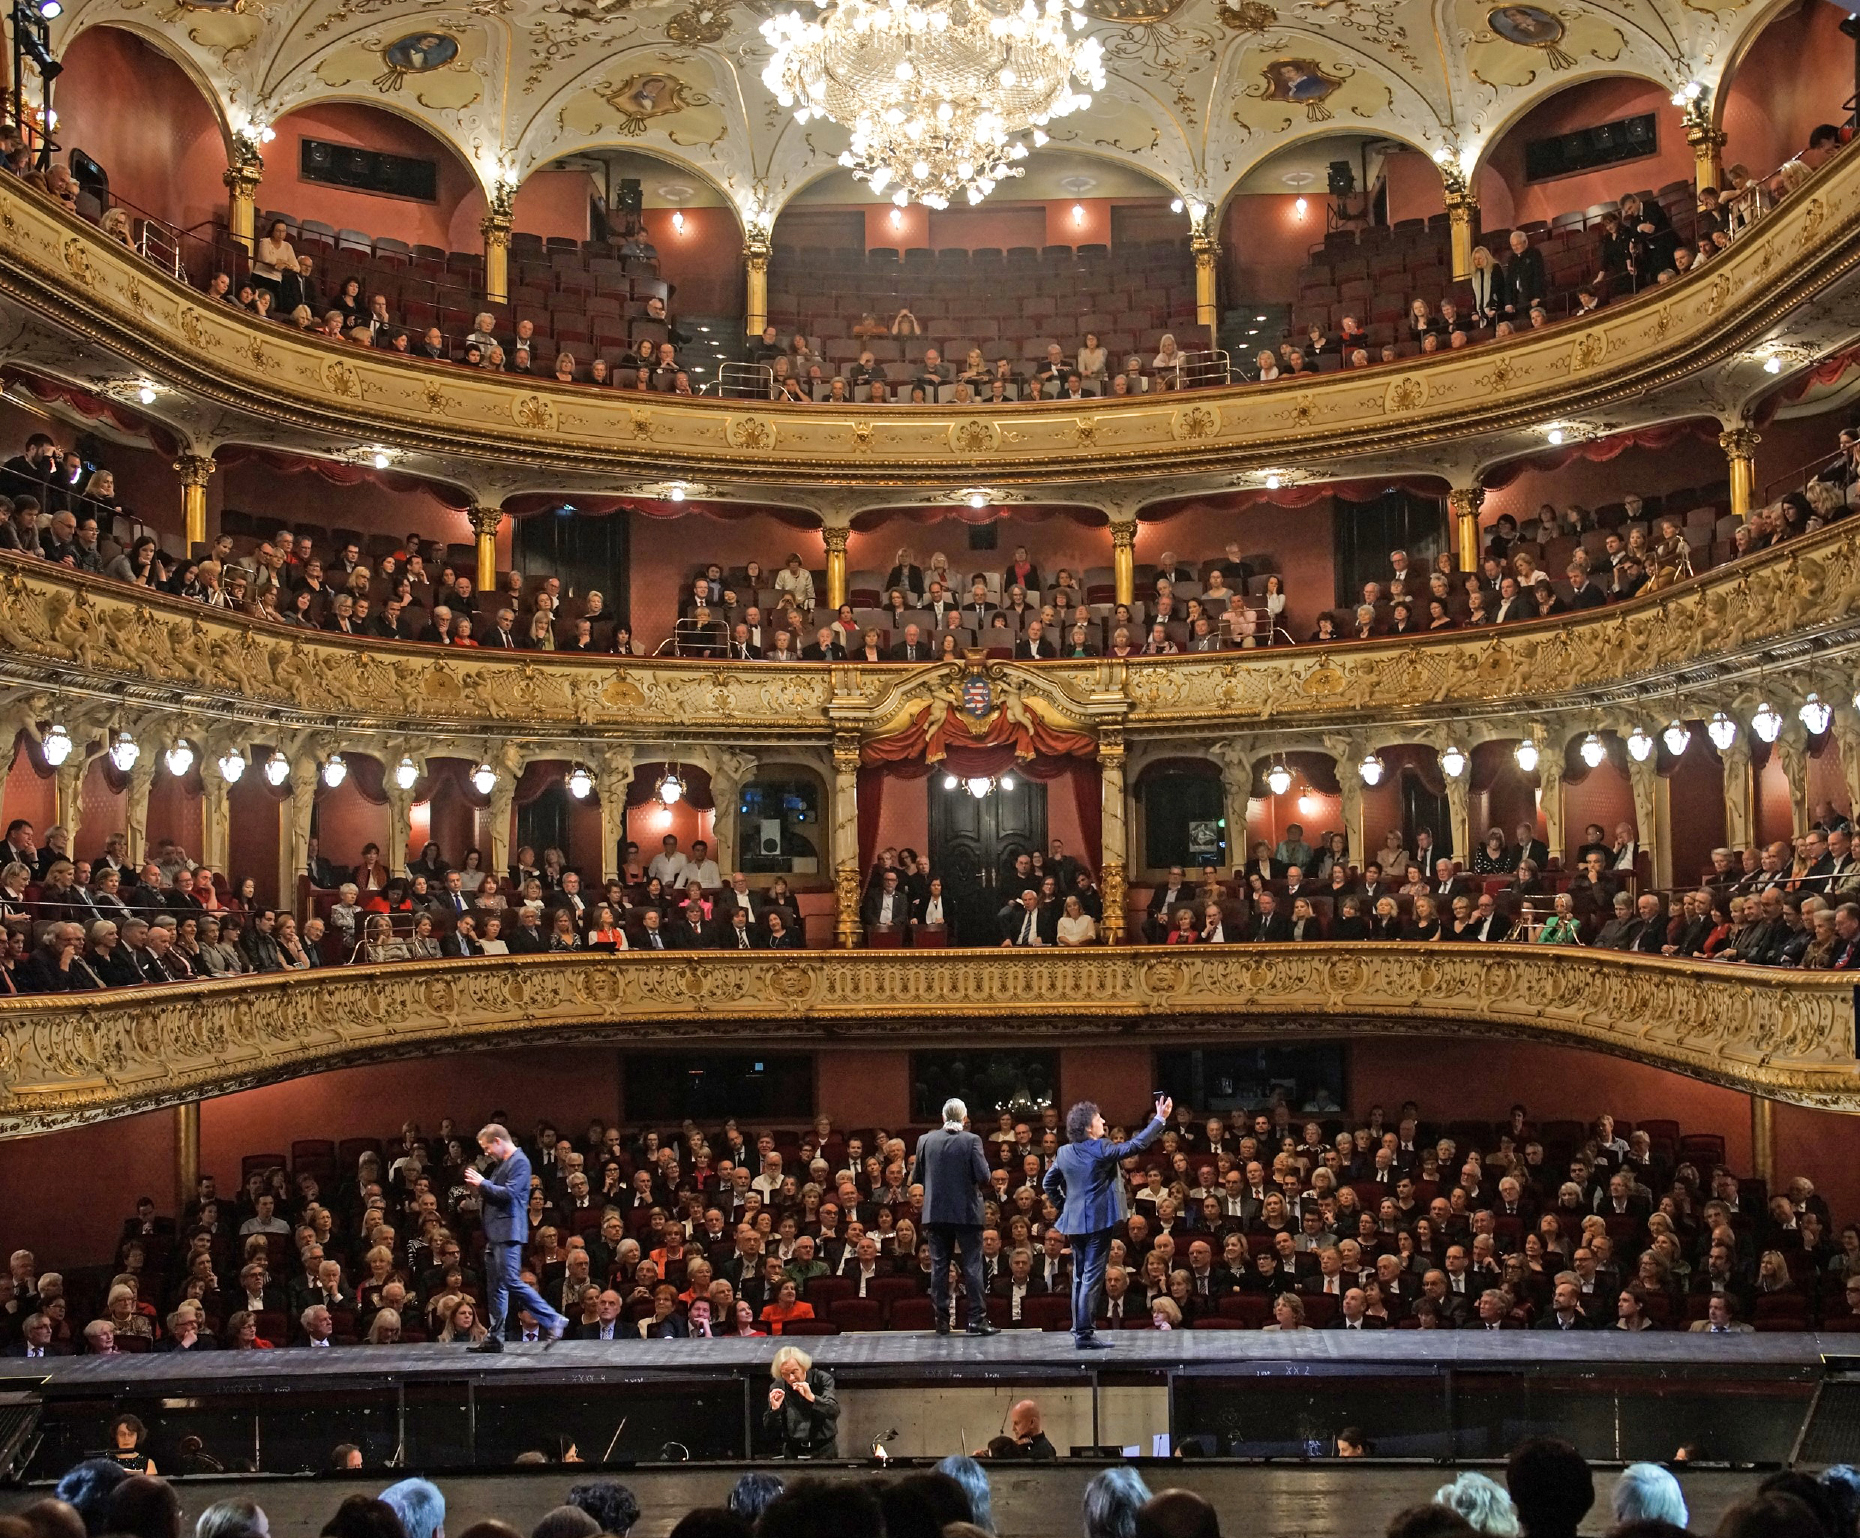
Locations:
{"points": [[796, 582], [1076, 926], [1091, 358], [931, 913], [1167, 357], [272, 259]]}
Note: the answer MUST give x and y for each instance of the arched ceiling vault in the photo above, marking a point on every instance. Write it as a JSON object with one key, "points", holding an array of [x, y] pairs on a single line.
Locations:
{"points": [[1200, 91]]}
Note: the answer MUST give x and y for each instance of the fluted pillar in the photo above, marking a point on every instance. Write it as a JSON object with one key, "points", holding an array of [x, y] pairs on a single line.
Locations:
{"points": [[1124, 559], [1207, 252], [848, 885], [1464, 503], [484, 526], [1740, 452], [1113, 875], [1738, 793], [195, 471], [613, 778], [241, 178], [756, 283], [1462, 212], [836, 537]]}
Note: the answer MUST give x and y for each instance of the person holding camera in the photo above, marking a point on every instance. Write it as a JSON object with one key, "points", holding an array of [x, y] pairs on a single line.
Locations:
{"points": [[1086, 1182]]}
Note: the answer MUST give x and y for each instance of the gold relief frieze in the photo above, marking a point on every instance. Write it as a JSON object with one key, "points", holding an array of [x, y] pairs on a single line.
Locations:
{"points": [[1788, 1036], [93, 633], [54, 264]]}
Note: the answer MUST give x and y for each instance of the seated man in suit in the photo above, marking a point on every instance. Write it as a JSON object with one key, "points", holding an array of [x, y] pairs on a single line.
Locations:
{"points": [[887, 905], [1033, 645], [1020, 922], [1529, 847], [1164, 901], [1447, 886], [1268, 924], [913, 648]]}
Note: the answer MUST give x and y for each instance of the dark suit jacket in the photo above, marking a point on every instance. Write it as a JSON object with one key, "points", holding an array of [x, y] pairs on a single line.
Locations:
{"points": [[953, 1171], [1269, 927], [505, 1199], [1024, 650], [900, 907]]}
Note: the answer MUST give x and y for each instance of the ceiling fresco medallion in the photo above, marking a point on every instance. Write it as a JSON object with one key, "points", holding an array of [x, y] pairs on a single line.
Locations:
{"points": [[1300, 83], [640, 98], [418, 53], [1530, 26]]}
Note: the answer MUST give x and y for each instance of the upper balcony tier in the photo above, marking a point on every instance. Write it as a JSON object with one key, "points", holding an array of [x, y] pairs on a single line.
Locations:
{"points": [[94, 313]]}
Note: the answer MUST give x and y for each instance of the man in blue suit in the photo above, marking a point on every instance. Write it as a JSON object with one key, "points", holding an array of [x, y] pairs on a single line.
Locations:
{"points": [[504, 1199], [1086, 1182]]}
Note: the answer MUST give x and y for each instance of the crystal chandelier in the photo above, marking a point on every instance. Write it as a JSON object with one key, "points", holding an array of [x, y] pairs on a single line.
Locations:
{"points": [[935, 94]]}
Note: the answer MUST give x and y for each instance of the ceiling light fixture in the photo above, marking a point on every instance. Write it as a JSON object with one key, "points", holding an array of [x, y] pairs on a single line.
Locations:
{"points": [[1279, 779], [277, 768], [381, 460], [1299, 207], [936, 95], [1640, 745], [1816, 715], [335, 770], [671, 789], [484, 779], [179, 758], [1772, 364], [406, 772], [1722, 730], [580, 783], [1677, 737], [1555, 435], [1453, 761], [232, 766], [145, 392], [124, 752], [678, 221], [1767, 723], [1176, 205], [1078, 213], [1371, 770], [55, 745], [1526, 755], [1593, 750]]}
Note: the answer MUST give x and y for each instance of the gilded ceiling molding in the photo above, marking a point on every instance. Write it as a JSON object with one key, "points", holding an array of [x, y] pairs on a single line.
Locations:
{"points": [[1594, 377], [84, 1058], [113, 649]]}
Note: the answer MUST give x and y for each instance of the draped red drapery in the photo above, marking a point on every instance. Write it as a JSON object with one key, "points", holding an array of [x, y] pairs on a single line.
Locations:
{"points": [[1662, 435], [985, 762]]}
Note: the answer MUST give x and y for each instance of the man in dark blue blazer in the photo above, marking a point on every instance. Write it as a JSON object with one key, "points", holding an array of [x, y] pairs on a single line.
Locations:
{"points": [[1086, 1182], [954, 1174], [504, 1200]]}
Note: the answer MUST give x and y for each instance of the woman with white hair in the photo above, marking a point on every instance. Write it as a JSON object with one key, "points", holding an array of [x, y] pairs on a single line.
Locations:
{"points": [[1483, 1503], [1645, 1492], [803, 1413]]}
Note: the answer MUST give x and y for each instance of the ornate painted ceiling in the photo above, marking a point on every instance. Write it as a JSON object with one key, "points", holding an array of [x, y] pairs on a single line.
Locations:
{"points": [[1200, 91]]}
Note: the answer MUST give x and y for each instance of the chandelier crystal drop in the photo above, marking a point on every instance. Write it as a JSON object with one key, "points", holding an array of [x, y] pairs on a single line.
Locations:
{"points": [[232, 766], [335, 770], [406, 772], [180, 757], [124, 752], [580, 783], [277, 768], [936, 94], [1815, 715], [484, 779]]}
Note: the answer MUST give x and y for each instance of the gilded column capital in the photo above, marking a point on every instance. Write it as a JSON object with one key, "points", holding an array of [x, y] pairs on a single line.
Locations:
{"points": [[485, 520], [195, 469], [1111, 747], [245, 165], [845, 752], [1124, 534], [1739, 442], [1465, 501], [1205, 248], [835, 536]]}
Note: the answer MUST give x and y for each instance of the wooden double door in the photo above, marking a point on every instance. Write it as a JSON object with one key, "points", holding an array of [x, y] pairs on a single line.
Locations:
{"points": [[974, 842]]}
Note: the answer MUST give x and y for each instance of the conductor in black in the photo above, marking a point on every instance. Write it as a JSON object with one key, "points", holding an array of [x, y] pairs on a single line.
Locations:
{"points": [[954, 1173]]}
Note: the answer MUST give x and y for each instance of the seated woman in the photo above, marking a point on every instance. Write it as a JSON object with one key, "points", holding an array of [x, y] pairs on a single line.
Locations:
{"points": [[1326, 629], [1562, 927], [905, 324], [1076, 926], [1350, 923], [1186, 931], [1490, 858], [565, 367], [1268, 366], [605, 933], [1425, 925], [1092, 360], [1421, 322], [975, 369], [381, 944]]}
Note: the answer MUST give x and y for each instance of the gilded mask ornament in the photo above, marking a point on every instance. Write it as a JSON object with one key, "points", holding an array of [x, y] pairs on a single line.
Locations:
{"points": [[701, 23], [1246, 16]]}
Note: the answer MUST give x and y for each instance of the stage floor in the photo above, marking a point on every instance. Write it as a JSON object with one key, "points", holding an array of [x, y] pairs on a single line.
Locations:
{"points": [[882, 1354]]}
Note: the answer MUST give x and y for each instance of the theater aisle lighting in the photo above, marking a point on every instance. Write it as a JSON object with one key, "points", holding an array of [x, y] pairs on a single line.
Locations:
{"points": [[335, 770], [938, 95], [1593, 750], [406, 772], [1526, 755], [232, 766], [580, 783], [179, 758], [484, 779], [1677, 737], [1370, 769], [1453, 761], [55, 745], [277, 768], [124, 752], [1815, 715], [1722, 730], [1640, 745], [1767, 723]]}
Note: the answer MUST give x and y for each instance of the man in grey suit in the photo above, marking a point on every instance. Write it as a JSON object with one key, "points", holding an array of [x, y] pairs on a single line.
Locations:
{"points": [[504, 1200], [950, 1167]]}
